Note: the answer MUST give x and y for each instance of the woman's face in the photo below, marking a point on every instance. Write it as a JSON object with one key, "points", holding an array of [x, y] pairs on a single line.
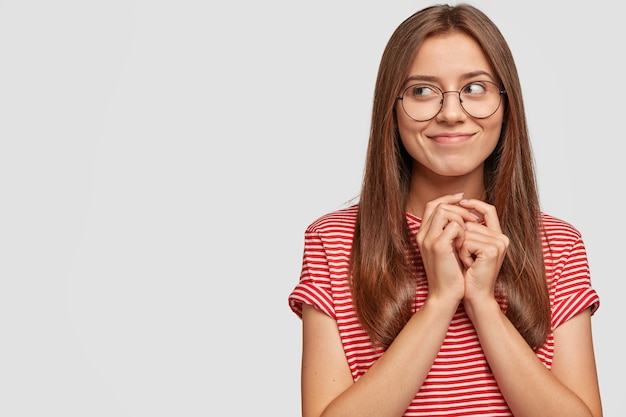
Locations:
{"points": [[452, 143]]}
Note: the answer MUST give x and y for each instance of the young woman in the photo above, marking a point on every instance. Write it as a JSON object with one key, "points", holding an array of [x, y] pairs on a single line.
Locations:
{"points": [[446, 291]]}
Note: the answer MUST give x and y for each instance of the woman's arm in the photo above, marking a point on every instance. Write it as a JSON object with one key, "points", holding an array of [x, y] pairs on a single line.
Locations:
{"points": [[530, 389], [574, 362], [389, 385], [570, 389]]}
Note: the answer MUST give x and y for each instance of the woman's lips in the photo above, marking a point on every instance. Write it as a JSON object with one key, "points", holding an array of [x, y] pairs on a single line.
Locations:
{"points": [[451, 138]]}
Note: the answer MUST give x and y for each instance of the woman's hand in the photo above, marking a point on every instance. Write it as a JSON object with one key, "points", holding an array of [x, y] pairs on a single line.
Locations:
{"points": [[441, 243], [482, 251]]}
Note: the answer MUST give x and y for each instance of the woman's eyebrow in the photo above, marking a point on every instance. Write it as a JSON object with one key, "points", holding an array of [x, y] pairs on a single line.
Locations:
{"points": [[466, 76], [428, 78], [478, 73]]}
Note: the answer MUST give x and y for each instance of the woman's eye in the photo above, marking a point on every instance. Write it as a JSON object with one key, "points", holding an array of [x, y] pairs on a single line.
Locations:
{"points": [[474, 88], [423, 91]]}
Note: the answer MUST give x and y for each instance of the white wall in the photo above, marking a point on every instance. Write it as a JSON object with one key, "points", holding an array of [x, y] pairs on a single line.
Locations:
{"points": [[159, 161]]}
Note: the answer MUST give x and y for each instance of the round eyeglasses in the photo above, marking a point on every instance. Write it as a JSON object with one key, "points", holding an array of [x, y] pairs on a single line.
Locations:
{"points": [[479, 99]]}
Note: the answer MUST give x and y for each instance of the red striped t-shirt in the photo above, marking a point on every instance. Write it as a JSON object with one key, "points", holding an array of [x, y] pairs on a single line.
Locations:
{"points": [[459, 382]]}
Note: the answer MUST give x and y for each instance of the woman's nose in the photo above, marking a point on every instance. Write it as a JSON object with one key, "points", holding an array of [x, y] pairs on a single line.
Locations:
{"points": [[451, 108]]}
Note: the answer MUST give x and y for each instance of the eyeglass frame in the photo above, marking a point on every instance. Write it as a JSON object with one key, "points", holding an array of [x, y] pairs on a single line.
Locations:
{"points": [[443, 97]]}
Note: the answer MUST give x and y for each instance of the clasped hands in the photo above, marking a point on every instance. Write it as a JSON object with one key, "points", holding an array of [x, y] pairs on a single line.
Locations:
{"points": [[462, 248]]}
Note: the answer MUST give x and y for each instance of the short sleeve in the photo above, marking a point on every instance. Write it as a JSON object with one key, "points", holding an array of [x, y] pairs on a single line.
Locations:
{"points": [[314, 287], [571, 288]]}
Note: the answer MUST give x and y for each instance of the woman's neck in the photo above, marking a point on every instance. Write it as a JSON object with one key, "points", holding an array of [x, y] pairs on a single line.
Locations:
{"points": [[421, 192]]}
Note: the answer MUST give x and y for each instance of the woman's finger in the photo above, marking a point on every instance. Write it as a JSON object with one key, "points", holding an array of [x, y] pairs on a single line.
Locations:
{"points": [[485, 212]]}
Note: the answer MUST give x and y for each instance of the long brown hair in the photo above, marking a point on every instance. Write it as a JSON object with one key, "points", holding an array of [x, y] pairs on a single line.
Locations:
{"points": [[383, 283]]}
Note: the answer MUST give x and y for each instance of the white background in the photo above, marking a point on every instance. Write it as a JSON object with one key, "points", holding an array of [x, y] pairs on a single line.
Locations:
{"points": [[160, 160]]}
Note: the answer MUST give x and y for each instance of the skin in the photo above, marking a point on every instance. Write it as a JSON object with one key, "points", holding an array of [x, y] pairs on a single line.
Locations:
{"points": [[462, 247]]}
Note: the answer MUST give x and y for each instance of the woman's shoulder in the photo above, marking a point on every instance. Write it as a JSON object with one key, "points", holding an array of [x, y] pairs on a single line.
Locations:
{"points": [[340, 219], [558, 227]]}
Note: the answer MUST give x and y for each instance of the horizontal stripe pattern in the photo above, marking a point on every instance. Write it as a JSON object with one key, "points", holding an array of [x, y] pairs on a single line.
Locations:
{"points": [[459, 382]]}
